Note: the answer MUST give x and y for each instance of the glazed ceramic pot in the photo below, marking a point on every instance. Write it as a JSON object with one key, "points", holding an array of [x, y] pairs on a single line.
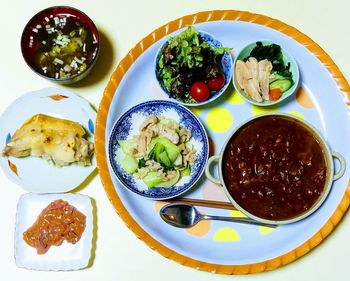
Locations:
{"points": [[328, 155]]}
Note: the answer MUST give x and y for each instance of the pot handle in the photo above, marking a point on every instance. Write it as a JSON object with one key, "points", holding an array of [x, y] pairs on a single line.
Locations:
{"points": [[211, 160], [342, 163]]}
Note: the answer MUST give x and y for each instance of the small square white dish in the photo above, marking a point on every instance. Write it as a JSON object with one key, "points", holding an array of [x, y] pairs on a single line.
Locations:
{"points": [[64, 257]]}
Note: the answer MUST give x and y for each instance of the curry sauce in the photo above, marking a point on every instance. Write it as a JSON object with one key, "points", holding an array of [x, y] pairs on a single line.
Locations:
{"points": [[274, 168]]}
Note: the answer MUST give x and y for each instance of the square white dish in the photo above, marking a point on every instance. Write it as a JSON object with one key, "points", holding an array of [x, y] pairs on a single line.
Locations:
{"points": [[64, 257]]}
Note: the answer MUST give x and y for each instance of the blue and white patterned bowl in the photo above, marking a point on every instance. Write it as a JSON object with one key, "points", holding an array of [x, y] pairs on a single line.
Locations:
{"points": [[128, 125], [226, 65]]}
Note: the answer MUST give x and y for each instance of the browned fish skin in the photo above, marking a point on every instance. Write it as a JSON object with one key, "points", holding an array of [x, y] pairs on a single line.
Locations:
{"points": [[59, 140]]}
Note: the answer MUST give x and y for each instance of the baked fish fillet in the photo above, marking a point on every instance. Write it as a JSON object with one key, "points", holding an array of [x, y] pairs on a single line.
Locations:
{"points": [[51, 138]]}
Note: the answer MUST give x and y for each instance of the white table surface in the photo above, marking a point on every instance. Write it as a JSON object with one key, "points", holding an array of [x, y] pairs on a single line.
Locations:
{"points": [[119, 254]]}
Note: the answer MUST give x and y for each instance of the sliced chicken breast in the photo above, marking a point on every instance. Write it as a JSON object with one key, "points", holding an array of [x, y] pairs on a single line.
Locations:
{"points": [[245, 80], [253, 67], [265, 68]]}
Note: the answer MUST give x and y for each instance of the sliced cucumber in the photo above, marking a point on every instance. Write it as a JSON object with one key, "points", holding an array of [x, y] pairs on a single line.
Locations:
{"points": [[283, 84], [152, 179], [171, 182], [163, 157], [178, 161], [186, 172], [275, 77], [172, 150], [129, 164], [126, 145]]}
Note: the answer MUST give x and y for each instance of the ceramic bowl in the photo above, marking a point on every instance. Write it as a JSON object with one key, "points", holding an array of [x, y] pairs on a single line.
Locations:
{"points": [[128, 125], [41, 30], [329, 156], [287, 58], [226, 65]]}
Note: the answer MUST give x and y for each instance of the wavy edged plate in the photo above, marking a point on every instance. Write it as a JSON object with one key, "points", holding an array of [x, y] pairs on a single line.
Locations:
{"points": [[220, 247], [36, 174]]}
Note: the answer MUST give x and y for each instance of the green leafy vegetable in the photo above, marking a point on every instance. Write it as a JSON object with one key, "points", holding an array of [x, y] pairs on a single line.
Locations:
{"points": [[164, 159], [161, 164], [152, 179], [142, 163], [129, 164], [185, 59], [282, 84], [172, 150], [186, 172], [273, 53]]}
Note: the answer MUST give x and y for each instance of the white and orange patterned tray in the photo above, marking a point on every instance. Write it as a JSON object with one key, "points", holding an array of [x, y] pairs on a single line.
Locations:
{"points": [[222, 247]]}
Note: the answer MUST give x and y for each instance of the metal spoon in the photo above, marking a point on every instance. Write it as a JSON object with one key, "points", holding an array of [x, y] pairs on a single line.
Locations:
{"points": [[185, 215]]}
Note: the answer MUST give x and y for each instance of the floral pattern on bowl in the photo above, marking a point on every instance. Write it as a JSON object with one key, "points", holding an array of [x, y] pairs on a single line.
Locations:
{"points": [[128, 125]]}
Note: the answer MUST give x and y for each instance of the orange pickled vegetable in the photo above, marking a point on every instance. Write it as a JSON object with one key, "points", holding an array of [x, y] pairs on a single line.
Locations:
{"points": [[275, 94], [59, 221]]}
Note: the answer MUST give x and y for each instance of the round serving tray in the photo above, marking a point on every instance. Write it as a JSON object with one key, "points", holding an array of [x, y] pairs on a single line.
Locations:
{"points": [[221, 247]]}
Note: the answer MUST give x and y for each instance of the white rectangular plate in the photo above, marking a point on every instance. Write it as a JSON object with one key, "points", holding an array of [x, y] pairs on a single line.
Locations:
{"points": [[64, 257]]}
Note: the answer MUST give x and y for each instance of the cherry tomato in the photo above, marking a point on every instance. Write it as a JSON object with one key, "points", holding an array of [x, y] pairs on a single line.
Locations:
{"points": [[216, 83], [199, 91]]}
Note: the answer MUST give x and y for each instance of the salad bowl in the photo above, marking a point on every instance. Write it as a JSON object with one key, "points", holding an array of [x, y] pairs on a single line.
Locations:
{"points": [[287, 59], [218, 88]]}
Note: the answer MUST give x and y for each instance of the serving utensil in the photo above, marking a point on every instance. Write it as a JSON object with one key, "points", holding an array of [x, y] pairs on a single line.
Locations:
{"points": [[186, 215]]}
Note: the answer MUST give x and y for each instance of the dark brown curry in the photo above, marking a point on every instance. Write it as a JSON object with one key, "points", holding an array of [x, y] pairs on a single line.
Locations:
{"points": [[274, 168]]}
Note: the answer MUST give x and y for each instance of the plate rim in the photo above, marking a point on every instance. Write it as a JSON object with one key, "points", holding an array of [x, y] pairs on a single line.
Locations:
{"points": [[55, 92], [115, 79]]}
